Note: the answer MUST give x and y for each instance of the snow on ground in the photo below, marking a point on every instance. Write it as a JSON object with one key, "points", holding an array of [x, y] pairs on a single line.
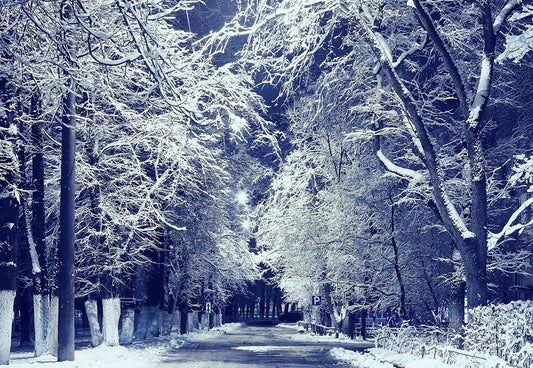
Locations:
{"points": [[357, 359], [140, 354], [146, 353], [310, 337], [381, 358], [408, 360], [100, 357]]}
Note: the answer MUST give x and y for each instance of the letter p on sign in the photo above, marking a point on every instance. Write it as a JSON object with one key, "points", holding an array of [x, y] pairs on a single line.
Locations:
{"points": [[316, 300]]}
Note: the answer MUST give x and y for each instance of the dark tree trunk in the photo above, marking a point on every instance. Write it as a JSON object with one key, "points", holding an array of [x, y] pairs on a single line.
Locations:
{"points": [[267, 300], [66, 232], [331, 309], [25, 269], [8, 232], [348, 325], [456, 308], [184, 318], [261, 286], [24, 308], [474, 256], [397, 269], [9, 213], [364, 314]]}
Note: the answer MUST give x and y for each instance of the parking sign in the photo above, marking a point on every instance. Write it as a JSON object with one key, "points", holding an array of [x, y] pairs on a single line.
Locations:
{"points": [[316, 300]]}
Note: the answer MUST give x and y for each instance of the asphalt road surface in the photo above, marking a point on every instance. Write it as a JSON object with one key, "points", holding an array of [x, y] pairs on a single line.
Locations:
{"points": [[266, 346]]}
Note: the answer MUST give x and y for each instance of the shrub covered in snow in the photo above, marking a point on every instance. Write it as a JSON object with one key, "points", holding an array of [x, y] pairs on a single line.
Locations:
{"points": [[410, 339], [496, 336], [503, 330]]}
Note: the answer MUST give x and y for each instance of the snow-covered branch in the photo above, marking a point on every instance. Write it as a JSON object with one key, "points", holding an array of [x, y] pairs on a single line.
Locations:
{"points": [[509, 228], [400, 171]]}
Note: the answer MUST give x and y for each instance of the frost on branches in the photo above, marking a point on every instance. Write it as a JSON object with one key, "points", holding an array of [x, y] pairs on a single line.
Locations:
{"points": [[522, 177], [422, 81], [519, 44]]}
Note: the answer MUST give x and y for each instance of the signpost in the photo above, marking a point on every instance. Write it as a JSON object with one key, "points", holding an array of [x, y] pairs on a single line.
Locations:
{"points": [[316, 301], [208, 297]]}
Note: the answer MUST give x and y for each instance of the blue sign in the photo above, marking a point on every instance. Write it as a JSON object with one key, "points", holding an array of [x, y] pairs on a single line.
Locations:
{"points": [[316, 300], [208, 295]]}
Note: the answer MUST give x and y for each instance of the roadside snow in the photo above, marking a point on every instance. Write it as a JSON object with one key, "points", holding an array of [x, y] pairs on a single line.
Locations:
{"points": [[141, 354], [102, 356], [380, 358], [306, 337], [357, 359]]}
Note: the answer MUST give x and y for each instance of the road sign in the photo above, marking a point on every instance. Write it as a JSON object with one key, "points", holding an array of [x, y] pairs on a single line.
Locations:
{"points": [[208, 295], [316, 300], [208, 307]]}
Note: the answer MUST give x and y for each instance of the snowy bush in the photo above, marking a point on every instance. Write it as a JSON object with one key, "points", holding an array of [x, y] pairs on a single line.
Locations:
{"points": [[409, 339], [496, 336], [503, 330]]}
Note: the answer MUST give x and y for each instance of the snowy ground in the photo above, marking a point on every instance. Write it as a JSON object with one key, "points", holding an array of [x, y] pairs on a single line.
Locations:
{"points": [[150, 353], [380, 358], [377, 358], [138, 355]]}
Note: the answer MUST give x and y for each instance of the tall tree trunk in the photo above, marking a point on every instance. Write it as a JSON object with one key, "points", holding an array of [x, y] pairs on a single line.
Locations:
{"points": [[9, 213], [66, 231], [474, 256], [28, 265], [41, 295]]}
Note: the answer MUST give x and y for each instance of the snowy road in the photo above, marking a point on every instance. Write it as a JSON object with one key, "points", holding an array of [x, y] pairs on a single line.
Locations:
{"points": [[256, 346]]}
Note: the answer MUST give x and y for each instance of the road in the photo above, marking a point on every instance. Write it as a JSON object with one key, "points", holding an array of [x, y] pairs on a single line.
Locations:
{"points": [[267, 346]]}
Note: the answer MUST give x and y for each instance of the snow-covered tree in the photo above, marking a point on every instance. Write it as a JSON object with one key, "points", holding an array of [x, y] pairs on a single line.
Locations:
{"points": [[331, 224], [423, 76], [151, 115]]}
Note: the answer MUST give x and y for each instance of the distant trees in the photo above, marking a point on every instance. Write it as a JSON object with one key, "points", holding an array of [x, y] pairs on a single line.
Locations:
{"points": [[333, 226]]}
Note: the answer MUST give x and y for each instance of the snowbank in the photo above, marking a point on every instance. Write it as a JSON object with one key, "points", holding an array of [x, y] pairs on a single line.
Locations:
{"points": [[140, 354], [102, 356], [379, 358]]}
